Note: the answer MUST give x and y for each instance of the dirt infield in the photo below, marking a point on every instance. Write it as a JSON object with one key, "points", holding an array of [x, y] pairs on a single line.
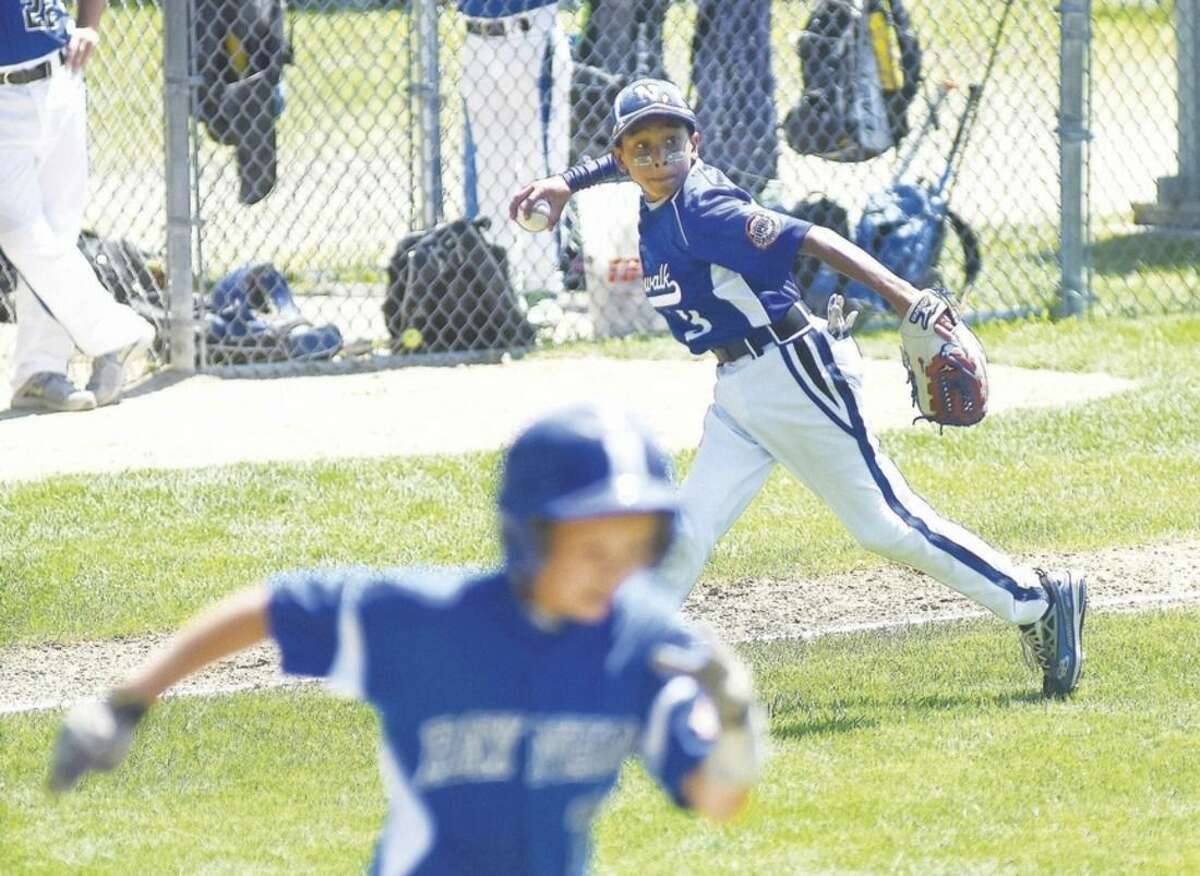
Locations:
{"points": [[205, 420], [49, 676]]}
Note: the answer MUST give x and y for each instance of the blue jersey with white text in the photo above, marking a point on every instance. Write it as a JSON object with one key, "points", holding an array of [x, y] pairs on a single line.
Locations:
{"points": [[715, 264], [501, 737], [31, 29]]}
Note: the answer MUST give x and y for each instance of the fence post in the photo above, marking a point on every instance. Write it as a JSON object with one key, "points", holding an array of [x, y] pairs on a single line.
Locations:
{"points": [[428, 47], [181, 317], [1075, 39]]}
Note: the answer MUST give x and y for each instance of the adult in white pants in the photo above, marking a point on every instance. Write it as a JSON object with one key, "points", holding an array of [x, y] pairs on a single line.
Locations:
{"points": [[516, 77], [60, 304]]}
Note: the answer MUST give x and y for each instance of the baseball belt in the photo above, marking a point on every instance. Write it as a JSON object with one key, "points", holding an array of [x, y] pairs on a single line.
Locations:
{"points": [[788, 327], [27, 74], [497, 27]]}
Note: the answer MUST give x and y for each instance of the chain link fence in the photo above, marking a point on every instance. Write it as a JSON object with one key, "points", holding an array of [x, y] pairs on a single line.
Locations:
{"points": [[341, 206], [1144, 157], [351, 161]]}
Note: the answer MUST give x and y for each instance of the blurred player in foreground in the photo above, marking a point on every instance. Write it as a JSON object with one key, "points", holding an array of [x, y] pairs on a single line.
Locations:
{"points": [[508, 701], [718, 267]]}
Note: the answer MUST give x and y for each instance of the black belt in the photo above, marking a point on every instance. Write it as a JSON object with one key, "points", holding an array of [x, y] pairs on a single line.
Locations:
{"points": [[27, 74], [788, 327], [497, 27]]}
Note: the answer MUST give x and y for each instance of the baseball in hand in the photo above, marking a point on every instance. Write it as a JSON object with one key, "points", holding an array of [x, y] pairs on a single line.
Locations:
{"points": [[538, 218]]}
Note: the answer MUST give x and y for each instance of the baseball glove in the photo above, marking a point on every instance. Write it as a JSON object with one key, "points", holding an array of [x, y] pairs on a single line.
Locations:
{"points": [[947, 369], [93, 736]]}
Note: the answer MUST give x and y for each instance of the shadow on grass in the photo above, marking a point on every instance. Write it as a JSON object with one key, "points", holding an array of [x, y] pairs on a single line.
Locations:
{"points": [[857, 714], [827, 727], [1125, 254]]}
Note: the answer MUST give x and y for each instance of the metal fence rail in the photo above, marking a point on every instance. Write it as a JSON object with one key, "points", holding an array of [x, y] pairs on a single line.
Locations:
{"points": [[307, 149]]}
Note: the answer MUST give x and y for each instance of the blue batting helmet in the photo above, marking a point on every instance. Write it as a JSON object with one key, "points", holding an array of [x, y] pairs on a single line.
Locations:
{"points": [[581, 461], [648, 98]]}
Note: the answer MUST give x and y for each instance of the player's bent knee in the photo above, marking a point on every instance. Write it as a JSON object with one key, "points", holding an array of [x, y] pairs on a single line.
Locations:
{"points": [[898, 543]]}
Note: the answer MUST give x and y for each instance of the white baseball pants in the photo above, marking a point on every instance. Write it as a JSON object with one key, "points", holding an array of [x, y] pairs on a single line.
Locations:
{"points": [[43, 187], [517, 131], [800, 405]]}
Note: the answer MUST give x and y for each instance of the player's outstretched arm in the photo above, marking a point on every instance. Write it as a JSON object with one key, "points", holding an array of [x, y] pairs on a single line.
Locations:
{"points": [[720, 786], [854, 262], [96, 735]]}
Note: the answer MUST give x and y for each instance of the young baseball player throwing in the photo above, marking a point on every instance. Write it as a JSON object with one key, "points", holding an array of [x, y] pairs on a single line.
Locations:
{"points": [[719, 269], [43, 187], [508, 701]]}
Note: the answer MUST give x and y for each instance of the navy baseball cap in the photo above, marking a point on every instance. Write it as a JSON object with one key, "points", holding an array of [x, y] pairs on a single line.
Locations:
{"points": [[647, 98]]}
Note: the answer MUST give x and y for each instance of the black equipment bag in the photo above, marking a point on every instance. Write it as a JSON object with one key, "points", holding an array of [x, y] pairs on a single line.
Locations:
{"points": [[861, 65], [621, 40], [132, 275], [240, 48], [449, 291]]}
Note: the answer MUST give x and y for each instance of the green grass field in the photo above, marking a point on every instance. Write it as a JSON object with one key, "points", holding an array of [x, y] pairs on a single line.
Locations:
{"points": [[919, 752], [88, 557]]}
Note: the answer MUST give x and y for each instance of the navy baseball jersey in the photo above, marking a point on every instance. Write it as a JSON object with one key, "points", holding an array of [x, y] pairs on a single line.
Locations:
{"points": [[501, 736], [31, 29], [714, 263]]}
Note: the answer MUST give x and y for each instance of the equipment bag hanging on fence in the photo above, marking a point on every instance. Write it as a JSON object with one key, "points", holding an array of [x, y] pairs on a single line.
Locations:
{"points": [[240, 47], [735, 91], [861, 65], [620, 41], [449, 291], [904, 225]]}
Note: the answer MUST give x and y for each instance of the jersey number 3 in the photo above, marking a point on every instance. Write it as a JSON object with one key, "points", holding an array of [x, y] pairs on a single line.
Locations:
{"points": [[700, 325]]}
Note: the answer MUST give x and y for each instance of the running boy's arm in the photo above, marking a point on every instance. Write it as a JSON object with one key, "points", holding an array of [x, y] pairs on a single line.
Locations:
{"points": [[704, 741], [299, 610], [96, 735], [224, 628]]}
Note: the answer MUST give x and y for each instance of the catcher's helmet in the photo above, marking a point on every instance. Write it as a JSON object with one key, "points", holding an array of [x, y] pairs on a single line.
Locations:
{"points": [[647, 98], [581, 461]]}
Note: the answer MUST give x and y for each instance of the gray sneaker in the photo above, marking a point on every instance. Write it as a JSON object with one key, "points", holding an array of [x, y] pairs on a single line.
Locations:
{"points": [[1054, 643], [108, 375], [51, 391]]}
